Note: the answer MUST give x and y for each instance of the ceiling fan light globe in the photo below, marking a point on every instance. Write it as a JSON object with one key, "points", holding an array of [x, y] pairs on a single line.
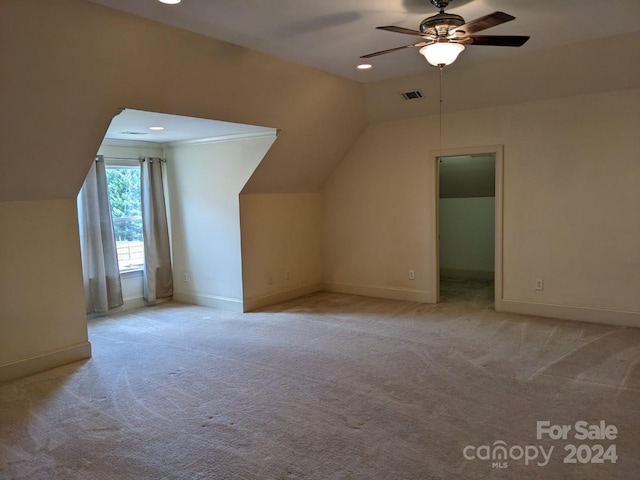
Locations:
{"points": [[442, 53]]}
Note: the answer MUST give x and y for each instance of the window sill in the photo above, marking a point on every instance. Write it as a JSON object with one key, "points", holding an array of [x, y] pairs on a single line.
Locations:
{"points": [[131, 273]]}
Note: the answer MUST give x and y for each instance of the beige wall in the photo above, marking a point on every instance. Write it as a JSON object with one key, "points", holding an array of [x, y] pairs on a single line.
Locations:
{"points": [[42, 311], [571, 200], [376, 214], [281, 255], [204, 183]]}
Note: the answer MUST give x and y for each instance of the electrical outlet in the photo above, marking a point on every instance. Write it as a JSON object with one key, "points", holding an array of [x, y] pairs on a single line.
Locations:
{"points": [[269, 280], [539, 284], [287, 275], [185, 278], [412, 274]]}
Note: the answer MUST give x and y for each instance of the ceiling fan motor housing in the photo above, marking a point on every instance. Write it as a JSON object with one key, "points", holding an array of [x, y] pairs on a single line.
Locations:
{"points": [[439, 25]]}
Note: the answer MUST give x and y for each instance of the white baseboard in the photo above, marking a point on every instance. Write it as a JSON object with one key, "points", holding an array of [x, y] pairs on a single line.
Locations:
{"points": [[130, 303], [279, 297], [447, 272], [212, 301], [581, 314], [391, 293], [46, 361]]}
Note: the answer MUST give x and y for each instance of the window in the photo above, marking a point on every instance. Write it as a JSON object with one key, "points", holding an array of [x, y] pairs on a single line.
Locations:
{"points": [[123, 184]]}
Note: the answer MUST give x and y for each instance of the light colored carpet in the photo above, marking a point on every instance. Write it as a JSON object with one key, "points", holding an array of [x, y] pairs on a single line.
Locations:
{"points": [[325, 387]]}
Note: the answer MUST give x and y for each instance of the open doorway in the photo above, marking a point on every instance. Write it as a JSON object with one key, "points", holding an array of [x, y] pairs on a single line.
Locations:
{"points": [[468, 225]]}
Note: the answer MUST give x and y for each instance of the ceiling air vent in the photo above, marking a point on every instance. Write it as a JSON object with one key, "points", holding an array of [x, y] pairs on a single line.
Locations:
{"points": [[412, 95], [133, 133]]}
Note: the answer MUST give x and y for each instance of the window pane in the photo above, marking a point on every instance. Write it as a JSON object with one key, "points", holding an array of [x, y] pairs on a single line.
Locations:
{"points": [[124, 195]]}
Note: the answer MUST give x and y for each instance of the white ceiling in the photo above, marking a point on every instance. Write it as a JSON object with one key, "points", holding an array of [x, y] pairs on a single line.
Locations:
{"points": [[135, 125], [331, 35]]}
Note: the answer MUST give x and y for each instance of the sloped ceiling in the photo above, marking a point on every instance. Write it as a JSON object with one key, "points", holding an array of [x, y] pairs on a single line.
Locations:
{"points": [[593, 66], [331, 35], [576, 47], [68, 67]]}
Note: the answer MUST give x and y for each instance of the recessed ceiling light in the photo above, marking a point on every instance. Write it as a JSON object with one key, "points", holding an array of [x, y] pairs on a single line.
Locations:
{"points": [[170, 2], [364, 66], [156, 128]]}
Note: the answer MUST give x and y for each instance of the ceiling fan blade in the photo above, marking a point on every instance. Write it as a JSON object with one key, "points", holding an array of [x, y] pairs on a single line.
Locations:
{"points": [[419, 44], [498, 40], [408, 31], [482, 23]]}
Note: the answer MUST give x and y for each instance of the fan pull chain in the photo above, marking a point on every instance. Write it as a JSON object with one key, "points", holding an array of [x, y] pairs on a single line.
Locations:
{"points": [[440, 110]]}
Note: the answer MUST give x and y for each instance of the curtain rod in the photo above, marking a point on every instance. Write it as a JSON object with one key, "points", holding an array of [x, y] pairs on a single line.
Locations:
{"points": [[140, 159]]}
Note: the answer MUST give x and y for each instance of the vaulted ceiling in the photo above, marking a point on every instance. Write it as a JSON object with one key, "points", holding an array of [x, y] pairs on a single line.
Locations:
{"points": [[331, 35], [68, 67]]}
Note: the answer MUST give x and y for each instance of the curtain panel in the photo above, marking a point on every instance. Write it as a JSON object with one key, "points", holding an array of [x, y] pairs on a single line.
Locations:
{"points": [[158, 275], [102, 287]]}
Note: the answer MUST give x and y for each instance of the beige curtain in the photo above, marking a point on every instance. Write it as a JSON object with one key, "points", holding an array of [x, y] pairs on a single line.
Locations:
{"points": [[158, 276], [102, 288]]}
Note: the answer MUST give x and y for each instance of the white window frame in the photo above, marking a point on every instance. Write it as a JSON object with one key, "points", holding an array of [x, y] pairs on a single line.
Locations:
{"points": [[125, 163]]}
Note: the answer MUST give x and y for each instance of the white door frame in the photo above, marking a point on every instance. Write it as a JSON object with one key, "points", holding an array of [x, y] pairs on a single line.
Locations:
{"points": [[496, 150]]}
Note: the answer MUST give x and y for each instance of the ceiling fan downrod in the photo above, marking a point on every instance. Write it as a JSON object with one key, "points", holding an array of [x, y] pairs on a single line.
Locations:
{"points": [[440, 4]]}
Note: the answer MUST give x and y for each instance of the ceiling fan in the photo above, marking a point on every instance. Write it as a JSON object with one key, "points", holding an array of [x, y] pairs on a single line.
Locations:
{"points": [[445, 35]]}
